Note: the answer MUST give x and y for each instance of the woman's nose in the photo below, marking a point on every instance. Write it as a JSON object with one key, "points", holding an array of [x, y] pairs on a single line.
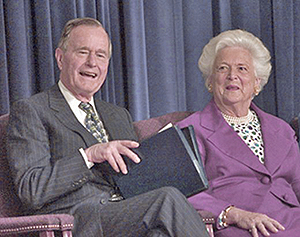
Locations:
{"points": [[232, 74]]}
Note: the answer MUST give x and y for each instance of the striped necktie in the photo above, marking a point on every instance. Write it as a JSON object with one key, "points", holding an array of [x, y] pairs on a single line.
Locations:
{"points": [[93, 124]]}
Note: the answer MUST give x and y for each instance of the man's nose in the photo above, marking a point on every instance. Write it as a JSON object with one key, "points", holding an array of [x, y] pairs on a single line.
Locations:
{"points": [[91, 60]]}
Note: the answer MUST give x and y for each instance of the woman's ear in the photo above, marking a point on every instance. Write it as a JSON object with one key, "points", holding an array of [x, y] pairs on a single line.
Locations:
{"points": [[209, 84], [257, 87], [59, 57]]}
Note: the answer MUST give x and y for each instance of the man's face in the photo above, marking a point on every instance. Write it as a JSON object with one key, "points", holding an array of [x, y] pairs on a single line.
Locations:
{"points": [[85, 62]]}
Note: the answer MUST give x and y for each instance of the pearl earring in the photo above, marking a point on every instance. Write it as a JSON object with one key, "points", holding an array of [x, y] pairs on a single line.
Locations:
{"points": [[209, 87]]}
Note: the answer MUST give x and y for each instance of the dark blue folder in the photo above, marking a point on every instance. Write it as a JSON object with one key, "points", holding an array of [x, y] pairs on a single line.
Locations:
{"points": [[169, 158]]}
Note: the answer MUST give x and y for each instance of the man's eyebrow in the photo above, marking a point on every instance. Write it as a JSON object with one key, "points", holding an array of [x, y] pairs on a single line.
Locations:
{"points": [[82, 48], [97, 51]]}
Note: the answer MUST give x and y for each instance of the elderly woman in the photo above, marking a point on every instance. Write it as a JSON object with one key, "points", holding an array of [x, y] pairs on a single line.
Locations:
{"points": [[251, 158]]}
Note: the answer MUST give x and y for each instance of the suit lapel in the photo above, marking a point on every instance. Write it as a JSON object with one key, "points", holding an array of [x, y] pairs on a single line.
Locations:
{"points": [[276, 146], [106, 116], [65, 115], [227, 141], [111, 120]]}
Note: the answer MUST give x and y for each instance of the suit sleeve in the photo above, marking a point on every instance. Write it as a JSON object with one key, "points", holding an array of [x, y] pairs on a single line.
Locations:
{"points": [[39, 175]]}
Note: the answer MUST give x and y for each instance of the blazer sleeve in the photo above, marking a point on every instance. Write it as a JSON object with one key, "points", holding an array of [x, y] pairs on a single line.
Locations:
{"points": [[205, 201], [38, 175], [294, 152]]}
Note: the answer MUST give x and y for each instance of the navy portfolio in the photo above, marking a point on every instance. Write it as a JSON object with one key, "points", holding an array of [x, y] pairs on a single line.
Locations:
{"points": [[169, 158]]}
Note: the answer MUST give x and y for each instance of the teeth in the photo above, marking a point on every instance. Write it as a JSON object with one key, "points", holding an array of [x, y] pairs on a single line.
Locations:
{"points": [[89, 74]]}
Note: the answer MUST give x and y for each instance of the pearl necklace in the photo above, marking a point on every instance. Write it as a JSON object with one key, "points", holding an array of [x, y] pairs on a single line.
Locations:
{"points": [[239, 120]]}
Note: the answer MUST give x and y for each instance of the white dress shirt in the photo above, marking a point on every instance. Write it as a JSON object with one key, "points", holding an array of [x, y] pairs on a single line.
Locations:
{"points": [[79, 114]]}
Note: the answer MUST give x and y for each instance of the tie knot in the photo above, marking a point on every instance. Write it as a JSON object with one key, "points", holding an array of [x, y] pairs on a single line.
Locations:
{"points": [[86, 107]]}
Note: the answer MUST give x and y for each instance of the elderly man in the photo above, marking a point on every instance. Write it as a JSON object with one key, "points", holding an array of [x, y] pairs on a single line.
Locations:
{"points": [[62, 142]]}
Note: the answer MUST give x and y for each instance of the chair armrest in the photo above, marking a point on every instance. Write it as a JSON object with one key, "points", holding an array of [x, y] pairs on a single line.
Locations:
{"points": [[209, 221], [25, 224], [207, 217]]}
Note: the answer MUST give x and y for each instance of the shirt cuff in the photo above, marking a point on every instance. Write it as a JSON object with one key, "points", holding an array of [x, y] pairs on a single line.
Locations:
{"points": [[88, 163]]}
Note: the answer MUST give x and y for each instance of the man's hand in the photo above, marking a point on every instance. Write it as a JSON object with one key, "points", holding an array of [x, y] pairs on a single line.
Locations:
{"points": [[253, 222], [111, 152]]}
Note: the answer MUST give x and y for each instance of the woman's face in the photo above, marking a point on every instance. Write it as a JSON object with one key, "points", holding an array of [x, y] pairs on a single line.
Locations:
{"points": [[233, 80]]}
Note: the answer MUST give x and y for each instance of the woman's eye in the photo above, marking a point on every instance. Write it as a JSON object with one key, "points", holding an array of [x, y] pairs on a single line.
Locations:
{"points": [[243, 69], [222, 68]]}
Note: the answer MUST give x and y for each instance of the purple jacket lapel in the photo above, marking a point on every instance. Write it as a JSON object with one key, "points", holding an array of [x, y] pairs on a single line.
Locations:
{"points": [[233, 146], [276, 146]]}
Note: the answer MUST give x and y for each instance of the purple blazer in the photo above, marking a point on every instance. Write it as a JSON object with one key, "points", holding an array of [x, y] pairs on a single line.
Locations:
{"points": [[236, 177]]}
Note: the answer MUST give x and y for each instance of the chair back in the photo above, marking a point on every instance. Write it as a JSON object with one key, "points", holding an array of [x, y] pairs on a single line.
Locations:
{"points": [[148, 127], [9, 202], [295, 123]]}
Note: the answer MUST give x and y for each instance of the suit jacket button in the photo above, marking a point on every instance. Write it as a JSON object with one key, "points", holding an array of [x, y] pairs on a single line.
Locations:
{"points": [[103, 201], [74, 184], [285, 196], [265, 180]]}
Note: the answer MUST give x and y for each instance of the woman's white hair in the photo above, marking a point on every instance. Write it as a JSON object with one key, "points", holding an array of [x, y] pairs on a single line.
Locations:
{"points": [[260, 54]]}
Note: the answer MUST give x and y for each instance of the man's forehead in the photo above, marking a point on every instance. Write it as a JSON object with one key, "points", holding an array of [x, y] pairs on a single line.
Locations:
{"points": [[80, 37], [84, 28]]}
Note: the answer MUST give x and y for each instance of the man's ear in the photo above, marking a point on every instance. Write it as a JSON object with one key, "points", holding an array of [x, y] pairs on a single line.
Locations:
{"points": [[257, 81], [59, 57]]}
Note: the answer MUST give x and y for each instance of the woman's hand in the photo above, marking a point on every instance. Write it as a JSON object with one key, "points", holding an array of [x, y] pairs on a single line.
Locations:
{"points": [[253, 222]]}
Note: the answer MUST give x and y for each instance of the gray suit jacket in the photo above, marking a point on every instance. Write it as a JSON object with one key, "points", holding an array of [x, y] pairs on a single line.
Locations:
{"points": [[52, 177], [44, 141]]}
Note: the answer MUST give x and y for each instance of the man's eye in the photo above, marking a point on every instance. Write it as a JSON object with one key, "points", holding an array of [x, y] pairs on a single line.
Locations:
{"points": [[99, 55], [83, 52]]}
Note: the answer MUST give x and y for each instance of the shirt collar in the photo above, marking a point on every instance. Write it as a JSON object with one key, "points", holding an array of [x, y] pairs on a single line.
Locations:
{"points": [[70, 98]]}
